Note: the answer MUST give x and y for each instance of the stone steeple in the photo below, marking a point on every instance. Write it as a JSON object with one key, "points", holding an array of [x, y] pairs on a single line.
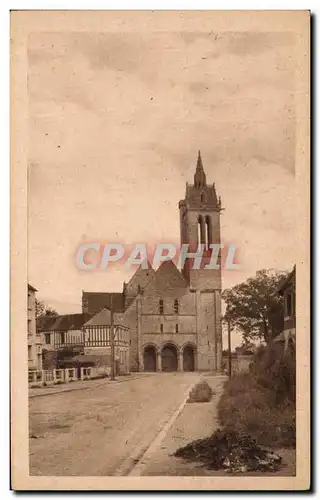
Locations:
{"points": [[200, 176], [200, 224]]}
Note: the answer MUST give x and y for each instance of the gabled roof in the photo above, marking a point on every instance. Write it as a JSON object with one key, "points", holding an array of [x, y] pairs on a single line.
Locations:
{"points": [[96, 301], [31, 288], [168, 279], [103, 317], [63, 322], [139, 279]]}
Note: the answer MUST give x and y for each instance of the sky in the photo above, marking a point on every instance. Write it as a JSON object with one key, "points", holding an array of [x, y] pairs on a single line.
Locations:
{"points": [[115, 124]]}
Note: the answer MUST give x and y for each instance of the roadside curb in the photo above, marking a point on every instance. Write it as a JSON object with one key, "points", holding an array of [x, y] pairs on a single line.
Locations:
{"points": [[72, 389], [142, 461], [159, 456]]}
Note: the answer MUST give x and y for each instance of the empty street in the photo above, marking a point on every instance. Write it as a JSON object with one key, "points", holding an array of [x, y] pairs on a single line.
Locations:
{"points": [[104, 429]]}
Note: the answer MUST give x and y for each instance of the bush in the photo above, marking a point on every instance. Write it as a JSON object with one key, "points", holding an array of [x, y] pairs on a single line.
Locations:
{"points": [[262, 403], [275, 369], [201, 393]]}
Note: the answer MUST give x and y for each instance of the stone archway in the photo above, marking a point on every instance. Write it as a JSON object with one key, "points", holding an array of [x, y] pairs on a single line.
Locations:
{"points": [[169, 358], [150, 359], [188, 358]]}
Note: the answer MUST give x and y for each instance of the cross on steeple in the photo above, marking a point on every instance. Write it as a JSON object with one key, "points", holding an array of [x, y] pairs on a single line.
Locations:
{"points": [[199, 176]]}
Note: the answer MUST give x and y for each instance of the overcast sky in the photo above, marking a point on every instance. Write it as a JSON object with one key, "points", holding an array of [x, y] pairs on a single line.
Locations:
{"points": [[116, 121]]}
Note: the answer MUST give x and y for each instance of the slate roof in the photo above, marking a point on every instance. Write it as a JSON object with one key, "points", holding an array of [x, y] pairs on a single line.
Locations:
{"points": [[94, 302], [63, 322]]}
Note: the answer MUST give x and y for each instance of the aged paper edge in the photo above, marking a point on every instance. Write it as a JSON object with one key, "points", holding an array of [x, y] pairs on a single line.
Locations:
{"points": [[22, 24]]}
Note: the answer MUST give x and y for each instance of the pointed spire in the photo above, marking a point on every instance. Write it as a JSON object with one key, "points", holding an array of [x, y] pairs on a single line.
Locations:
{"points": [[200, 176], [199, 162]]}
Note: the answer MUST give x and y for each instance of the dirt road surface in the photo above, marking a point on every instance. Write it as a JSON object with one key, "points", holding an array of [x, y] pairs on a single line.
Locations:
{"points": [[102, 431]]}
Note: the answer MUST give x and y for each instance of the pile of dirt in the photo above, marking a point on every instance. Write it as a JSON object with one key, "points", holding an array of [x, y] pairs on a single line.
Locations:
{"points": [[232, 452]]}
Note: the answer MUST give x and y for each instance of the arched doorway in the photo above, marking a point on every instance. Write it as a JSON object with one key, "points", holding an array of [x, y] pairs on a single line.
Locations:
{"points": [[169, 358], [188, 359], [150, 359]]}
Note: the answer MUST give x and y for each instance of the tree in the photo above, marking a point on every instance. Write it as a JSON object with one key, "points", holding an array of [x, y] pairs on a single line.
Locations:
{"points": [[40, 307], [49, 311], [255, 307], [245, 348], [43, 310]]}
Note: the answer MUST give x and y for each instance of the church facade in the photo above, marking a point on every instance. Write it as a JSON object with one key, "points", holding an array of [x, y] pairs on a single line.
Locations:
{"points": [[174, 317]]}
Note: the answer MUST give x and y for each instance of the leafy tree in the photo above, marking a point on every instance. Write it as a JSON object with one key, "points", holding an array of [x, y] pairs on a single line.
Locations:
{"points": [[40, 307], [255, 307], [49, 311], [43, 310], [245, 348]]}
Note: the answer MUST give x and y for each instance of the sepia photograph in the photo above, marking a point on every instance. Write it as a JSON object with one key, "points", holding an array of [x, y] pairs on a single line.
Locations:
{"points": [[160, 250]]}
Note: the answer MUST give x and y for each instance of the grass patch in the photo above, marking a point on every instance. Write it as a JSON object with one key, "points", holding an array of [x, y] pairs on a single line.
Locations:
{"points": [[201, 393]]}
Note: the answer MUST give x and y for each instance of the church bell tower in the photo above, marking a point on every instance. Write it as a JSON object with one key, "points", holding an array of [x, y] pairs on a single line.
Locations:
{"points": [[200, 223]]}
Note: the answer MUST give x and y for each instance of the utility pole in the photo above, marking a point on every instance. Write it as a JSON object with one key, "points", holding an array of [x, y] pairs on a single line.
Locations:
{"points": [[229, 349], [112, 338]]}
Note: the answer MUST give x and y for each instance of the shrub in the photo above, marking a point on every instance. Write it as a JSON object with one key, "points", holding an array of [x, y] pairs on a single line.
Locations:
{"points": [[262, 403], [201, 393], [275, 369]]}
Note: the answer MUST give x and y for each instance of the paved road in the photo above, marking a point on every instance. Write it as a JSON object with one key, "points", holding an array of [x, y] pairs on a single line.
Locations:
{"points": [[102, 431]]}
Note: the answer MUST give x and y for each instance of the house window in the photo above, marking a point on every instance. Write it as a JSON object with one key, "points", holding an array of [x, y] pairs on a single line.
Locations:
{"points": [[47, 338], [177, 328], [176, 307], [29, 352], [62, 339], [29, 326], [161, 306], [161, 328]]}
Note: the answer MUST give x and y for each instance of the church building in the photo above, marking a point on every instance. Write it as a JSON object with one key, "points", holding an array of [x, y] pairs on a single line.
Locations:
{"points": [[173, 317]]}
